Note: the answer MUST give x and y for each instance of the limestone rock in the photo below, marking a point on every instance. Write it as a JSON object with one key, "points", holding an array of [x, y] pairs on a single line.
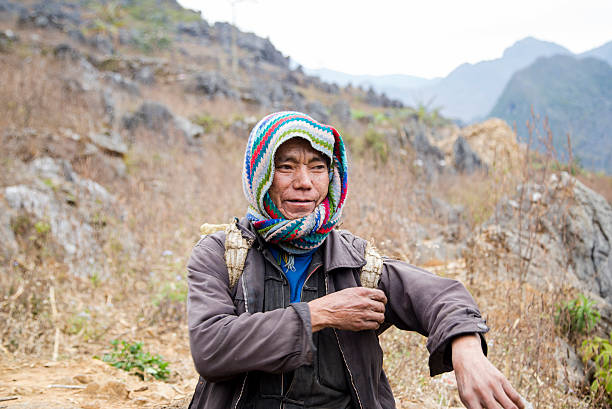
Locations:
{"points": [[342, 111], [111, 141], [52, 14], [564, 233], [464, 158], [429, 157], [570, 369], [318, 111], [211, 84], [8, 246], [189, 129]]}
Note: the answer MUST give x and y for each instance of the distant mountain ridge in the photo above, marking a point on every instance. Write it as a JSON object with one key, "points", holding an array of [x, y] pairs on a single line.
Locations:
{"points": [[575, 95], [470, 91], [603, 52], [394, 85]]}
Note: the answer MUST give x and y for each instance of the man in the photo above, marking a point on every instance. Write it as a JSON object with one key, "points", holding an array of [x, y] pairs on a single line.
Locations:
{"points": [[298, 330]]}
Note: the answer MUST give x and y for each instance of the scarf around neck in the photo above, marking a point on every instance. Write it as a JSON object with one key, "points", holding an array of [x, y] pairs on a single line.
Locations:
{"points": [[301, 235]]}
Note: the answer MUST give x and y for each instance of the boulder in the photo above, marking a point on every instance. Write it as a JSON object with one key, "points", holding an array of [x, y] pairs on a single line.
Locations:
{"points": [[75, 236], [7, 38], [265, 93], [465, 159], [342, 111], [71, 206], [428, 157], [50, 168], [108, 103], [101, 43], [199, 29], [155, 116], [318, 111], [52, 14], [557, 232], [8, 244], [66, 51], [570, 369], [189, 129], [145, 75], [211, 84], [10, 9], [122, 83], [151, 115], [110, 141]]}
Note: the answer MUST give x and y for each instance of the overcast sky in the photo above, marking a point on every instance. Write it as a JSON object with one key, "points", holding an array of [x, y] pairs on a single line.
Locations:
{"points": [[426, 38]]}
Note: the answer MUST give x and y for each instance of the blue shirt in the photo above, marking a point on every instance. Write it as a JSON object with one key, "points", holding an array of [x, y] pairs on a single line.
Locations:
{"points": [[296, 273]]}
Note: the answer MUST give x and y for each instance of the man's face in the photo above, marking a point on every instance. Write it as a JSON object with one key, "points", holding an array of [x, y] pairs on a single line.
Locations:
{"points": [[301, 178]]}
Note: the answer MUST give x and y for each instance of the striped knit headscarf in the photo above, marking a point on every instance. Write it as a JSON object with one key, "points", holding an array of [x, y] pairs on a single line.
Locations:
{"points": [[307, 233]]}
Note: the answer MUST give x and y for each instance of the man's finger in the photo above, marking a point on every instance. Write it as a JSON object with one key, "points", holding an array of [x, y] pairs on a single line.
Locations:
{"points": [[491, 403], [513, 394], [377, 295], [505, 401]]}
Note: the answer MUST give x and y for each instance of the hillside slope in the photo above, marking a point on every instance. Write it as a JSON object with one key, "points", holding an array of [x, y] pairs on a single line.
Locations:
{"points": [[575, 95], [123, 125]]}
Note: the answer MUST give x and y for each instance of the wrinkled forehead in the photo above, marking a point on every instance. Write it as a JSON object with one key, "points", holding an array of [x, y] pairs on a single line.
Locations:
{"points": [[298, 148]]}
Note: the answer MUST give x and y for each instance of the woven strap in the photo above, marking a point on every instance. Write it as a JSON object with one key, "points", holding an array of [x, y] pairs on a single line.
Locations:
{"points": [[236, 248], [370, 273]]}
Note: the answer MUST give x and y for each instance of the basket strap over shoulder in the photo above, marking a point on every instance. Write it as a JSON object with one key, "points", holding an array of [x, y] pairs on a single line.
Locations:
{"points": [[370, 273], [236, 248]]}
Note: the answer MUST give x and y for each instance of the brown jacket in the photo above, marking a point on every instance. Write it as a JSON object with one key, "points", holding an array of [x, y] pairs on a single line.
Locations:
{"points": [[230, 336]]}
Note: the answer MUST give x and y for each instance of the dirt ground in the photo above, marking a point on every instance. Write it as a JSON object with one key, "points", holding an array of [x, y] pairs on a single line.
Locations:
{"points": [[88, 383]]}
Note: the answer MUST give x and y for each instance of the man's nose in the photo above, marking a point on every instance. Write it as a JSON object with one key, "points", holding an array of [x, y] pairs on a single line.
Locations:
{"points": [[302, 178]]}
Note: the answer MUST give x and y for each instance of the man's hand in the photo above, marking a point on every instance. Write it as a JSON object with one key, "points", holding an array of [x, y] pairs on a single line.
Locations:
{"points": [[480, 384], [354, 309]]}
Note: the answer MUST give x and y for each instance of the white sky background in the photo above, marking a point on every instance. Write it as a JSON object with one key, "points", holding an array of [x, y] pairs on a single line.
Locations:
{"points": [[425, 38]]}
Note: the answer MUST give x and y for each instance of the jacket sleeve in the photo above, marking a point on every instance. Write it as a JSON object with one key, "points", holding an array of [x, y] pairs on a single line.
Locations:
{"points": [[436, 307], [224, 344]]}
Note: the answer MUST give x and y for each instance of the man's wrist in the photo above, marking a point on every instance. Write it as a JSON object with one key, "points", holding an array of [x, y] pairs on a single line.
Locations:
{"points": [[465, 345], [318, 317]]}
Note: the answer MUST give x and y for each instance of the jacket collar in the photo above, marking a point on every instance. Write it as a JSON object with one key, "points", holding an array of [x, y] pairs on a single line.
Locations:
{"points": [[340, 249]]}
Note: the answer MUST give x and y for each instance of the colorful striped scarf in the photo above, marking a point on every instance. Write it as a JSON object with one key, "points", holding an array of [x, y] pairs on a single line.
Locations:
{"points": [[300, 235]]}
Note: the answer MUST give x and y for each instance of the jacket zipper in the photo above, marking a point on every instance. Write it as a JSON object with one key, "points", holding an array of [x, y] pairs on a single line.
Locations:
{"points": [[241, 390], [246, 307], [342, 352]]}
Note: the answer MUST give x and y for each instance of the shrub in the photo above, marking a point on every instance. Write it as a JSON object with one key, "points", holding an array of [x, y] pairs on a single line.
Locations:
{"points": [[600, 351], [577, 316], [377, 142], [131, 358]]}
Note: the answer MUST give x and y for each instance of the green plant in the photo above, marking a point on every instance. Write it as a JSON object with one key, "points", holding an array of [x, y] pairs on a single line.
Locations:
{"points": [[172, 292], [42, 227], [208, 122], [577, 316], [376, 140], [131, 358], [599, 350]]}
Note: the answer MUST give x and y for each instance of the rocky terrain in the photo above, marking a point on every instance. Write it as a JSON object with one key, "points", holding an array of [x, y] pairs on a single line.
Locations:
{"points": [[122, 127]]}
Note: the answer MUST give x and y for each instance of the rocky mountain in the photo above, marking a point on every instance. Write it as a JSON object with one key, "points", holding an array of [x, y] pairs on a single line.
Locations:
{"points": [[468, 93], [471, 90], [575, 95], [603, 52]]}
